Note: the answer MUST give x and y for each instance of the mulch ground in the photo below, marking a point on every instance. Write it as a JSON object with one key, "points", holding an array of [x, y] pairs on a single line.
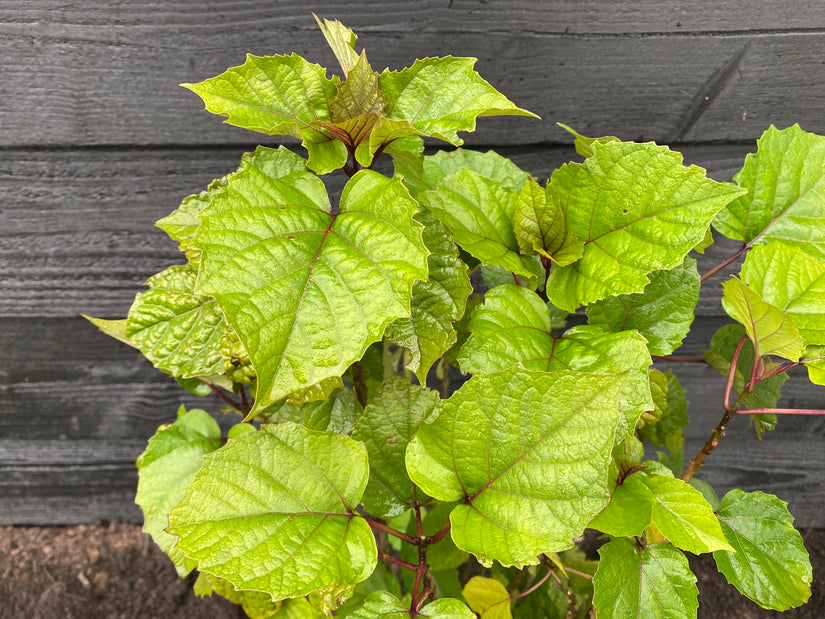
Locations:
{"points": [[113, 571]]}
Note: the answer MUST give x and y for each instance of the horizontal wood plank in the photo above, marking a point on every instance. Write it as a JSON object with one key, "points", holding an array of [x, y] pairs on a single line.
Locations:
{"points": [[78, 231], [76, 82]]}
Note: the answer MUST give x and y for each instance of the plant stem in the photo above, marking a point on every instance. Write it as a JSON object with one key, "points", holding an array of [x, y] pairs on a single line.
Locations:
{"points": [[725, 263], [236, 405], [517, 279], [247, 405], [679, 359], [434, 539], [533, 588], [397, 561], [380, 526], [781, 411]]}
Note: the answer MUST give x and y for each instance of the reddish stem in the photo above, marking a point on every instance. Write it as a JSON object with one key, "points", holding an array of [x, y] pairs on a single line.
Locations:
{"points": [[236, 405], [781, 411], [517, 279], [789, 366], [434, 539], [725, 263], [732, 372], [530, 590], [397, 561], [380, 526]]}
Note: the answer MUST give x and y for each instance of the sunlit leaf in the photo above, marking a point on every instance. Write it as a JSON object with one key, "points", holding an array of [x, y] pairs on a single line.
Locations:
{"points": [[488, 598]]}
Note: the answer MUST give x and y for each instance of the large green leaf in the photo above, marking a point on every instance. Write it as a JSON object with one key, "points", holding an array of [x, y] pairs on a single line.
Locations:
{"points": [[629, 510], [179, 331], [386, 427], [488, 597], [645, 582], [278, 95], [387, 606], [526, 453], [436, 301], [305, 287], [770, 565], [662, 313], [440, 96], [792, 281], [772, 331], [540, 227], [637, 209], [273, 511], [785, 180], [479, 212], [169, 463]]}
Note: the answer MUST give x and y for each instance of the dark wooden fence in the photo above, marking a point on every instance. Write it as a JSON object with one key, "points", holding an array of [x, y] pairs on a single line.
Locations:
{"points": [[97, 141]]}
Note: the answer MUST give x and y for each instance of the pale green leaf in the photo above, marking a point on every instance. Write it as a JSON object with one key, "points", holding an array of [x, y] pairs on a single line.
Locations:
{"points": [[177, 330], [645, 582], [479, 212], [785, 180], [306, 288], [540, 228], [707, 491], [488, 598], [662, 313], [683, 515], [638, 210], [359, 94], [382, 579], [440, 96], [704, 243], [770, 565], [629, 511], [337, 414], [168, 464], [342, 41], [386, 426], [526, 453], [792, 281], [772, 331], [436, 302], [112, 328], [387, 606], [281, 501], [816, 369], [255, 604], [584, 145]]}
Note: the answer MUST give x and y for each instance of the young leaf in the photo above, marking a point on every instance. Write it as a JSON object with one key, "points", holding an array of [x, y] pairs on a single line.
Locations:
{"points": [[387, 606], [649, 582], [278, 95], [281, 500], [629, 511], [785, 180], [386, 427], [526, 453], [168, 464], [337, 414], [342, 41], [584, 145], [479, 212], [683, 515], [637, 209], [436, 301], [792, 281], [179, 331], [662, 313], [488, 598], [112, 328], [359, 94], [772, 331], [440, 96], [770, 565], [305, 288], [540, 228]]}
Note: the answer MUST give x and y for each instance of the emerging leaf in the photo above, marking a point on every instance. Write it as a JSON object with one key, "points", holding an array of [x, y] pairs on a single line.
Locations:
{"points": [[305, 288], [165, 468], [770, 565], [652, 581], [785, 180], [662, 313], [584, 145], [281, 500], [540, 227], [637, 209], [387, 606], [488, 598], [342, 41], [526, 453]]}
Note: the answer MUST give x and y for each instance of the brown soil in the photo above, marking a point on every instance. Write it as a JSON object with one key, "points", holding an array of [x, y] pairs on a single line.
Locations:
{"points": [[115, 572]]}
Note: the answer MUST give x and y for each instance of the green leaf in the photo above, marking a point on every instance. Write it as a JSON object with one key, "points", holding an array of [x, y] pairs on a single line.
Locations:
{"points": [[637, 209], [647, 582], [112, 328], [436, 302], [305, 288], [526, 454], [629, 511], [683, 515], [382, 579], [337, 414], [386, 427], [387, 606], [816, 369], [168, 464], [792, 281], [662, 313], [359, 94], [342, 41], [667, 431], [772, 331], [440, 96], [584, 145], [177, 330], [479, 212], [278, 95], [281, 500], [785, 180], [540, 227], [770, 565], [255, 604], [488, 598]]}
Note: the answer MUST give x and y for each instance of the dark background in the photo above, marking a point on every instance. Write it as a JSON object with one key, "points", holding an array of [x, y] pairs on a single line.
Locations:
{"points": [[97, 142]]}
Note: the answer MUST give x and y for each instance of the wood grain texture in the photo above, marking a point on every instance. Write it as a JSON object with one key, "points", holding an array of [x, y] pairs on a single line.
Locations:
{"points": [[110, 76]]}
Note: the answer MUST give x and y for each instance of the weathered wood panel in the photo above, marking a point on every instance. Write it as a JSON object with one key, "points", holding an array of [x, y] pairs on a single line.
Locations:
{"points": [[78, 234], [75, 81]]}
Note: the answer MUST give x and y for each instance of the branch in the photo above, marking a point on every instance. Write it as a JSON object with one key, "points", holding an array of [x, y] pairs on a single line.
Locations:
{"points": [[380, 526], [722, 265], [781, 411], [397, 561], [434, 539], [236, 405]]}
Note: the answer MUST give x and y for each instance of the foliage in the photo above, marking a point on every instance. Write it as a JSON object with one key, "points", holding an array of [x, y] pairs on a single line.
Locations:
{"points": [[351, 488]]}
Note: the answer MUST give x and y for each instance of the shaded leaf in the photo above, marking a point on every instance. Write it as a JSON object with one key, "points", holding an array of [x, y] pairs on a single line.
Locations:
{"points": [[488, 598], [387, 606], [540, 228], [629, 511], [255, 604], [337, 414]]}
